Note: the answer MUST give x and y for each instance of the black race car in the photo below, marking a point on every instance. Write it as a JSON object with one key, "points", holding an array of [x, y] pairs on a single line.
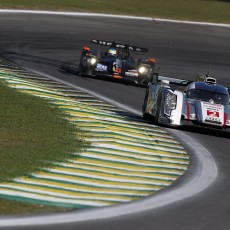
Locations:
{"points": [[116, 62]]}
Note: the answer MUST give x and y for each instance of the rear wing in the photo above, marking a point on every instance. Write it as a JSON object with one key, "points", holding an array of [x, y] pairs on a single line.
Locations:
{"points": [[117, 45], [175, 81]]}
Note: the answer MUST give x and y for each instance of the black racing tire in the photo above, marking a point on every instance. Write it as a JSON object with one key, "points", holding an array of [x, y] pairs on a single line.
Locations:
{"points": [[83, 71], [156, 118], [144, 80], [80, 70], [141, 81], [89, 72], [145, 115]]}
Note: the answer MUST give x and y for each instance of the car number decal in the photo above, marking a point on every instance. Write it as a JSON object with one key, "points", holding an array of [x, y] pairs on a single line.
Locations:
{"points": [[213, 113]]}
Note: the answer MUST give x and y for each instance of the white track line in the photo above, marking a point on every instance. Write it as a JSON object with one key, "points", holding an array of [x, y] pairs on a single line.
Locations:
{"points": [[79, 14]]}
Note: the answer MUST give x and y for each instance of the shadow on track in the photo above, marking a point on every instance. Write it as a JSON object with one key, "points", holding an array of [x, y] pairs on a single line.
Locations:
{"points": [[193, 129], [68, 69], [10, 56], [63, 67]]}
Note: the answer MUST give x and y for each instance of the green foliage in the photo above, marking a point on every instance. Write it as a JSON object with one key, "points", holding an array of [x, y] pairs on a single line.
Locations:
{"points": [[8, 207], [33, 134], [196, 10]]}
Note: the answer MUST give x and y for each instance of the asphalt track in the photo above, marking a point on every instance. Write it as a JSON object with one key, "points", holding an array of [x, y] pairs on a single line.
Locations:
{"points": [[51, 45]]}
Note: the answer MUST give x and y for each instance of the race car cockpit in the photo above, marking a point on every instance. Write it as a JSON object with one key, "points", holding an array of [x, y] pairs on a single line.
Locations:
{"points": [[208, 96]]}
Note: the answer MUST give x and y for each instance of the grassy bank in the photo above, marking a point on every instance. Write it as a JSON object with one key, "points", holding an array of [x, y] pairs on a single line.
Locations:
{"points": [[196, 10], [33, 134]]}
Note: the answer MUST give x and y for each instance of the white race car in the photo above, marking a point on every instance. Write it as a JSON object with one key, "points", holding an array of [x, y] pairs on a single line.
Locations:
{"points": [[200, 103]]}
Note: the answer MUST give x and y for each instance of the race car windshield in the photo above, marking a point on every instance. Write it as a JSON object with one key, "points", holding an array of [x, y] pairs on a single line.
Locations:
{"points": [[204, 95]]}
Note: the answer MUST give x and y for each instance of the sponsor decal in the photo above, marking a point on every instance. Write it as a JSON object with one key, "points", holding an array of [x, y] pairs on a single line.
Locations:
{"points": [[101, 67], [213, 113], [117, 70], [117, 67], [105, 43], [132, 73]]}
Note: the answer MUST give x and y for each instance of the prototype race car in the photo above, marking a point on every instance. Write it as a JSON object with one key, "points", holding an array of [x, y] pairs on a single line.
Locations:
{"points": [[200, 103], [116, 62]]}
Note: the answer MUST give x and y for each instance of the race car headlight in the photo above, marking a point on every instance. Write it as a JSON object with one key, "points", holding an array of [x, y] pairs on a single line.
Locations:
{"points": [[93, 61], [142, 69], [173, 101], [170, 102]]}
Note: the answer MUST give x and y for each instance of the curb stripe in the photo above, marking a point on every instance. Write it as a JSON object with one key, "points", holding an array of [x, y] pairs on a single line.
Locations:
{"points": [[128, 158]]}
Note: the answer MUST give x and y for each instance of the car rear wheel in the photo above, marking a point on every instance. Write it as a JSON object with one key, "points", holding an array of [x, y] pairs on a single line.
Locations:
{"points": [[80, 70], [145, 115]]}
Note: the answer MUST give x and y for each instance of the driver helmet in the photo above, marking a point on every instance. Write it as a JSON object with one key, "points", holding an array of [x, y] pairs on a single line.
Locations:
{"points": [[112, 52]]}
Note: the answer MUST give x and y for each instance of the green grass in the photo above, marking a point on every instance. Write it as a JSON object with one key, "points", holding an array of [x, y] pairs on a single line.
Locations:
{"points": [[9, 207], [197, 10], [33, 134]]}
